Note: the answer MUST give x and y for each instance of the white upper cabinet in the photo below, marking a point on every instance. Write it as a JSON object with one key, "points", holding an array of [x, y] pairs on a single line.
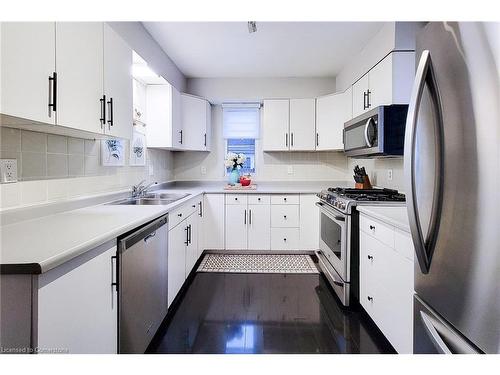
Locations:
{"points": [[360, 90], [163, 106], [28, 60], [276, 125], [117, 84], [302, 124], [332, 111], [388, 82], [196, 122], [79, 56]]}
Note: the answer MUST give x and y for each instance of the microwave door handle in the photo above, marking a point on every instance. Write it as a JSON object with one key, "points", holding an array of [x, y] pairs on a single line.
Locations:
{"points": [[423, 248], [367, 139]]}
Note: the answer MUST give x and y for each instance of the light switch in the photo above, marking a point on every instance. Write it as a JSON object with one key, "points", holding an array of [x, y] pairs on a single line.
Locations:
{"points": [[290, 169], [389, 174], [203, 170], [8, 170]]}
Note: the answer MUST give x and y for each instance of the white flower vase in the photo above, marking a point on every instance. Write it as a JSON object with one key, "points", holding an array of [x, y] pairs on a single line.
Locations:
{"points": [[234, 177]]}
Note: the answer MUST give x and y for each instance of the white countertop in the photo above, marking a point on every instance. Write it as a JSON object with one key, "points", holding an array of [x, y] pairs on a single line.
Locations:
{"points": [[395, 216], [42, 243]]}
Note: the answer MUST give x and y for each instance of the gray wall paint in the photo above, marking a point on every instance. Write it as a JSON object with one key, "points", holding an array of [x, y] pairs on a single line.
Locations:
{"points": [[218, 90], [143, 43]]}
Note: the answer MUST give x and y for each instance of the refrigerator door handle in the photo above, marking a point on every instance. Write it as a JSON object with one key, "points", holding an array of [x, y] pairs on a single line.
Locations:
{"points": [[424, 248], [436, 331]]}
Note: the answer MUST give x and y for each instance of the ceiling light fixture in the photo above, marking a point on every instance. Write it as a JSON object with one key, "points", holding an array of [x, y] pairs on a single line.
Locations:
{"points": [[252, 26]]}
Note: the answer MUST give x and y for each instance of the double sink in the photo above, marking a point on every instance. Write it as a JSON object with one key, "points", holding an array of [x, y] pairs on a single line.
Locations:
{"points": [[152, 199]]}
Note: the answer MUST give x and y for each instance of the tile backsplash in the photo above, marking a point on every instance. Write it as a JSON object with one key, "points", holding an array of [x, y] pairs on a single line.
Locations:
{"points": [[54, 167]]}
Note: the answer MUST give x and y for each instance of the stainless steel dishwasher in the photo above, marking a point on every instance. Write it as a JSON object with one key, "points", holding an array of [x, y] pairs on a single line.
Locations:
{"points": [[142, 285]]}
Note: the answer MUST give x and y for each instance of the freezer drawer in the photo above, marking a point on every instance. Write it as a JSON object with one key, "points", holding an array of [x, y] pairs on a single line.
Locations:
{"points": [[433, 335]]}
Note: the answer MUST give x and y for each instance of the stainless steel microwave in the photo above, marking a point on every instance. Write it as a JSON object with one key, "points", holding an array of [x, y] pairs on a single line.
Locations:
{"points": [[376, 133]]}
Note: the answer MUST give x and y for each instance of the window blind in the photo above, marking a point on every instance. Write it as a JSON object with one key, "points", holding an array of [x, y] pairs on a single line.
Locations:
{"points": [[241, 121]]}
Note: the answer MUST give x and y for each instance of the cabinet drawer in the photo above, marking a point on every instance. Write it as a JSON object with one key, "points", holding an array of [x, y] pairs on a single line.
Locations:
{"points": [[181, 213], [236, 199], [259, 199], [285, 199], [283, 216], [382, 232], [404, 244], [284, 238]]}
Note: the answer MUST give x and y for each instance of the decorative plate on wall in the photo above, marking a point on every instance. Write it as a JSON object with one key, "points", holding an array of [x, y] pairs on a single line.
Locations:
{"points": [[138, 149], [112, 152]]}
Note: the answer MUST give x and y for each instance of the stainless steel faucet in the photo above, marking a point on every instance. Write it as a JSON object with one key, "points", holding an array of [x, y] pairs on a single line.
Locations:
{"points": [[140, 189]]}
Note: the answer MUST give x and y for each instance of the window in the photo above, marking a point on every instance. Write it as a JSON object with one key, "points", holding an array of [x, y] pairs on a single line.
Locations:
{"points": [[241, 124]]}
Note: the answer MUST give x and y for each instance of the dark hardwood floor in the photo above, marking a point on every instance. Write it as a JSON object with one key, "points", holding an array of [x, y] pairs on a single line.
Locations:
{"points": [[265, 313]]}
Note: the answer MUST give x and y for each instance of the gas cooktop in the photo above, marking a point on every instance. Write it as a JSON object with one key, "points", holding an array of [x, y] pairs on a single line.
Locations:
{"points": [[344, 199]]}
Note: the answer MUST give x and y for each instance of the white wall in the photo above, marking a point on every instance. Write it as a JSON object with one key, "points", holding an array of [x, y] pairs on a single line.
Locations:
{"points": [[269, 166], [143, 43], [392, 36], [219, 90]]}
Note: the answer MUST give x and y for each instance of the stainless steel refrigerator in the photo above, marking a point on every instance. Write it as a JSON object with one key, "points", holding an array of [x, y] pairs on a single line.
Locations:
{"points": [[452, 164]]}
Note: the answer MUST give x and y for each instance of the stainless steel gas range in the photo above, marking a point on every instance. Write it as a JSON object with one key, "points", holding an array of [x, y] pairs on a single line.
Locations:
{"points": [[338, 254]]}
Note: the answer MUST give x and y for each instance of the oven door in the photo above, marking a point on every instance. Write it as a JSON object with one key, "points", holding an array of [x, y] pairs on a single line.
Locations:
{"points": [[333, 239]]}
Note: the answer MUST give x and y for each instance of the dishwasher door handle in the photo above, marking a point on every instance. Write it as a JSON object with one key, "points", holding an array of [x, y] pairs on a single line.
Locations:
{"points": [[149, 236]]}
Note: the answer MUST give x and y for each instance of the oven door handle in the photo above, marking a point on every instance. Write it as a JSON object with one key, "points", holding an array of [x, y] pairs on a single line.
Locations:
{"points": [[331, 275], [329, 213]]}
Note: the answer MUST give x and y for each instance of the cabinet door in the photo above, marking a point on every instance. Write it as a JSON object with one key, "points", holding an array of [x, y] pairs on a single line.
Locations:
{"points": [[28, 60], [213, 222], [117, 84], [194, 122], [275, 127], [78, 310], [380, 83], [302, 124], [178, 138], [79, 56], [309, 222], [332, 112], [177, 238], [236, 227], [358, 96], [259, 227], [192, 246]]}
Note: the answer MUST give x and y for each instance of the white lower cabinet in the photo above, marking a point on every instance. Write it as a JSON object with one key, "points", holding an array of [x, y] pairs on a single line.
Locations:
{"points": [[285, 239], [183, 245], [386, 283], [259, 228], [213, 222], [236, 226], [77, 305], [271, 222]]}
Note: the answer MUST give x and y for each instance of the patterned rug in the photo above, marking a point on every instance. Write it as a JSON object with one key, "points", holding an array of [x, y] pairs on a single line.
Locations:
{"points": [[258, 263]]}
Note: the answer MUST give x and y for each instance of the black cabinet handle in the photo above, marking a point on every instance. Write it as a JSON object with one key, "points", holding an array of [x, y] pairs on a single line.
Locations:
{"points": [[189, 232], [180, 131], [52, 93], [284, 239], [317, 139], [201, 209], [180, 215], [205, 141], [368, 104], [291, 139], [365, 95], [372, 227], [110, 121], [114, 270], [370, 298], [245, 217], [370, 257], [250, 217], [284, 217], [286, 139], [187, 235], [103, 110]]}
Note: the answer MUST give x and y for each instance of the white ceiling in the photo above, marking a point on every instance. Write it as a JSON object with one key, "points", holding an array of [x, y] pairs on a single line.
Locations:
{"points": [[277, 49]]}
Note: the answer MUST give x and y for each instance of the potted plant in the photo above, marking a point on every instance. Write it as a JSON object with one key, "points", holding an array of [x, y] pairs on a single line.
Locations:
{"points": [[234, 162]]}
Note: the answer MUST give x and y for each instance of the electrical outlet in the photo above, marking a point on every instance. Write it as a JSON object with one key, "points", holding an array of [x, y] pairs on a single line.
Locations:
{"points": [[8, 170], [290, 169], [203, 170], [389, 174]]}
